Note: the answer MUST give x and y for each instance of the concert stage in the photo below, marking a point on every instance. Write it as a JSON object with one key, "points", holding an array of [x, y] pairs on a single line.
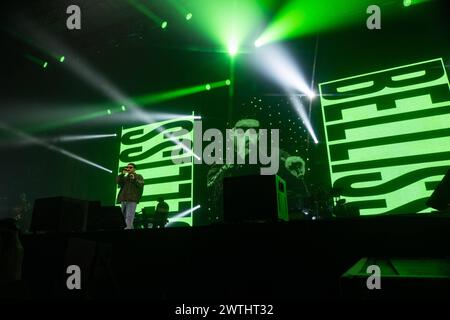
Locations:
{"points": [[262, 262]]}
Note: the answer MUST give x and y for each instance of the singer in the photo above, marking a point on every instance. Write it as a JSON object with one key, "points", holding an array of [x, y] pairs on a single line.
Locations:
{"points": [[131, 186]]}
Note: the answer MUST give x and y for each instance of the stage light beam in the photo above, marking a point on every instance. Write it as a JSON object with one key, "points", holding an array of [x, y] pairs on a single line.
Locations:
{"points": [[229, 20], [143, 100], [37, 141], [300, 109], [70, 138], [182, 214], [233, 48], [408, 3], [147, 12], [278, 65], [298, 18]]}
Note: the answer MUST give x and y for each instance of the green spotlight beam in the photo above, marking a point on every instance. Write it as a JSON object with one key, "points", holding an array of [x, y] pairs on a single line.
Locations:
{"points": [[32, 44], [143, 100], [150, 99], [229, 23], [408, 3], [70, 121], [145, 11], [36, 60], [305, 17], [230, 83], [178, 7]]}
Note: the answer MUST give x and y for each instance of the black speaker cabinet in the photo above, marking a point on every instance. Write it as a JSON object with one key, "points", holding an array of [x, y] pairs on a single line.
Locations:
{"points": [[105, 218], [59, 214], [255, 198], [440, 199]]}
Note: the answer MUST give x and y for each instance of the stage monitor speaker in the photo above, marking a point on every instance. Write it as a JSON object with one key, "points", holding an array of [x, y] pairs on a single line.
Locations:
{"points": [[255, 198], [105, 218], [440, 199], [59, 214], [400, 279]]}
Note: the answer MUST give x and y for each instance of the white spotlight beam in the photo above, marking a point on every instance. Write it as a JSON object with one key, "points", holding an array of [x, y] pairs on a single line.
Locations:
{"points": [[299, 107], [82, 137], [183, 214], [67, 138], [96, 80], [51, 147], [276, 63]]}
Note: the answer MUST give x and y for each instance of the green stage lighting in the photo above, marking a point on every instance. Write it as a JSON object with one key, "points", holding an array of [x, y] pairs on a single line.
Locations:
{"points": [[301, 18], [61, 59], [228, 82], [142, 8], [35, 60], [153, 98], [142, 101], [226, 21], [189, 16], [164, 25], [408, 3], [232, 51]]}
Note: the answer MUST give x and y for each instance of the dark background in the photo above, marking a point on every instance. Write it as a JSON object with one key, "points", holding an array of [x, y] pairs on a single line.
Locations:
{"points": [[138, 57]]}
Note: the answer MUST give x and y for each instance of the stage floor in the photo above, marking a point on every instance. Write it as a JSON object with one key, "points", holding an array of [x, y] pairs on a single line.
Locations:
{"points": [[286, 260]]}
